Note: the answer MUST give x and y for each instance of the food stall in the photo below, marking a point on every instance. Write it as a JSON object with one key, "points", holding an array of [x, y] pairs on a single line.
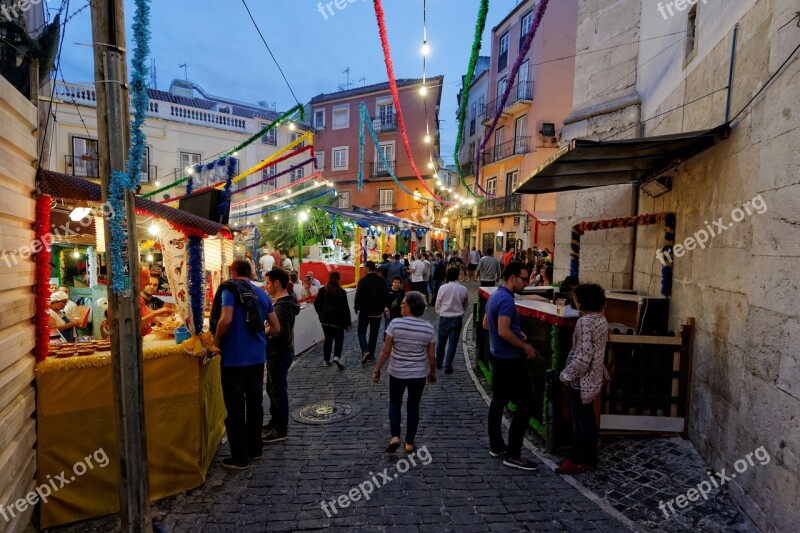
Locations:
{"points": [[182, 394]]}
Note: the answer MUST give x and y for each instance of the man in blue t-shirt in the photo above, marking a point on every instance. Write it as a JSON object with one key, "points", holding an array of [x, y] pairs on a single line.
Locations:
{"points": [[510, 381], [238, 316]]}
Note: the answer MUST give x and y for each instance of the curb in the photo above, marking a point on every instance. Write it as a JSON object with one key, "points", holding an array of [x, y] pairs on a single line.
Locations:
{"points": [[599, 501]]}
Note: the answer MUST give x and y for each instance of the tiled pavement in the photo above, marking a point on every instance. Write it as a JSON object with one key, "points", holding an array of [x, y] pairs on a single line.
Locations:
{"points": [[461, 488]]}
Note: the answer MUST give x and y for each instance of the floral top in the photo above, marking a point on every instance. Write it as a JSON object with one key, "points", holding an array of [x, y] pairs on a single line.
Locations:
{"points": [[586, 368]]}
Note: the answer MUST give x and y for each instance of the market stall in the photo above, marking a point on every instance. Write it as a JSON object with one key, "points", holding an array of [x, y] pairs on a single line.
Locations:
{"points": [[182, 393]]}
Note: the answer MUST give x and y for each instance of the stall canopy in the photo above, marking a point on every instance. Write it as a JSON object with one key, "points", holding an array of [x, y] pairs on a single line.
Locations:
{"points": [[365, 217], [585, 164], [71, 188]]}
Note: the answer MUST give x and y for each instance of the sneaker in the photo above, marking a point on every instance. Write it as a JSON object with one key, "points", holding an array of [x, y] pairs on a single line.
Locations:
{"points": [[228, 462], [338, 363], [448, 370], [497, 452], [273, 436], [326, 363], [520, 463], [364, 358], [438, 366], [568, 467]]}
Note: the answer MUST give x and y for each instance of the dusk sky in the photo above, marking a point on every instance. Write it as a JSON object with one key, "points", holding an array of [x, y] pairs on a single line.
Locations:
{"points": [[227, 58]]}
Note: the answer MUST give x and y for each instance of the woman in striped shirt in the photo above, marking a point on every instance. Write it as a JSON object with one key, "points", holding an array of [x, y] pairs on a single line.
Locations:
{"points": [[410, 341]]}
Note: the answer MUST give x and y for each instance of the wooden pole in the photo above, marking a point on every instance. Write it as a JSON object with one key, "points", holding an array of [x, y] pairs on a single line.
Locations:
{"points": [[113, 129]]}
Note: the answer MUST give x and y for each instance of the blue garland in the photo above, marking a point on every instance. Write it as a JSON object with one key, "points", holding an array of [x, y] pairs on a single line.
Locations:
{"points": [[128, 181], [225, 200], [365, 120], [194, 250]]}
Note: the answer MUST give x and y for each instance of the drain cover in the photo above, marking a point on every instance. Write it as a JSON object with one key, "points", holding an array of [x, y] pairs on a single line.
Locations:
{"points": [[325, 412]]}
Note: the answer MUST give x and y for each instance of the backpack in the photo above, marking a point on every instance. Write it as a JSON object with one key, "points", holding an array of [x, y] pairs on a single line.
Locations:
{"points": [[247, 297]]}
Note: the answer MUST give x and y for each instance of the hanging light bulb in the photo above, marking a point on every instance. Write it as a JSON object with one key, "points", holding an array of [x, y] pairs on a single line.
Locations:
{"points": [[150, 258], [423, 90], [430, 164], [275, 217], [426, 49], [292, 126], [189, 170], [154, 229], [428, 139], [288, 191], [235, 154], [303, 216], [75, 253], [157, 183]]}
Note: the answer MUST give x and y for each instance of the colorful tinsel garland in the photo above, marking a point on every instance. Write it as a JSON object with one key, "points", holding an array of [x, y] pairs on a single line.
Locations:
{"points": [[225, 200], [42, 288], [194, 251], [480, 25]]}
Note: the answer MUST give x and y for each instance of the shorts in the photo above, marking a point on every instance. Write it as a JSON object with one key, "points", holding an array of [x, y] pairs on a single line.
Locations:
{"points": [[473, 268]]}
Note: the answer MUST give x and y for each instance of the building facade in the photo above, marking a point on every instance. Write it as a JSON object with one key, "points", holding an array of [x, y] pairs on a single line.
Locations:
{"points": [[529, 127], [667, 72], [336, 122], [185, 126]]}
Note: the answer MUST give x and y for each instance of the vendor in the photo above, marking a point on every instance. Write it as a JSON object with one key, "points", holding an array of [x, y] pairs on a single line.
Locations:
{"points": [[152, 302], [58, 318], [149, 316], [71, 309]]}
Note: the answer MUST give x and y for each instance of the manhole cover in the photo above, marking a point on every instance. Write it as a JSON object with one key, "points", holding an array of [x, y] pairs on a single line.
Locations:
{"points": [[325, 412]]}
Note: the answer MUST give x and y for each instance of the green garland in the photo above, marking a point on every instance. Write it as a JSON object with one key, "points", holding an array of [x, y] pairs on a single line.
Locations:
{"points": [[286, 116], [473, 60]]}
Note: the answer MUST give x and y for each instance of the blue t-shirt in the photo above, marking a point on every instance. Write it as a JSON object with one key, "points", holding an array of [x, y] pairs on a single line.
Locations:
{"points": [[501, 303], [240, 346]]}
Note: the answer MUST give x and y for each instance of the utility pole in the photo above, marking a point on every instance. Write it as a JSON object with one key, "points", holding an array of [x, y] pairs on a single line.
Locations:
{"points": [[113, 128]]}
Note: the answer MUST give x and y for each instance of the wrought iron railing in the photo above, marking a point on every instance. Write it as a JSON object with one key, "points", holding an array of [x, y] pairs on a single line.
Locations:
{"points": [[520, 145], [500, 205]]}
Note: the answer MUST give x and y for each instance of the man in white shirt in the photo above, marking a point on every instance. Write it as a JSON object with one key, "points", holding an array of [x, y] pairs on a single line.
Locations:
{"points": [[474, 258], [426, 276], [71, 309], [267, 263], [451, 304], [417, 269]]}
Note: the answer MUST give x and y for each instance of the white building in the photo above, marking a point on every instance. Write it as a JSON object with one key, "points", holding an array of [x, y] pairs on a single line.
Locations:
{"points": [[185, 126]]}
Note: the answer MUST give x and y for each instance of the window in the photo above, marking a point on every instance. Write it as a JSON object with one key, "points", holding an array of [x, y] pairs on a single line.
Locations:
{"points": [[84, 158], [471, 154], [512, 178], [320, 160], [387, 149], [340, 158], [691, 35], [272, 184], [189, 159], [521, 135], [386, 116], [385, 199], [145, 176], [297, 174], [491, 186], [344, 200], [472, 116], [296, 136], [524, 27], [319, 119], [341, 117], [271, 137], [499, 139], [502, 57], [501, 89]]}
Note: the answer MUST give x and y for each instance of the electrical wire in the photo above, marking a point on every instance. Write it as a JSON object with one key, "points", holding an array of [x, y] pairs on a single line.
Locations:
{"points": [[244, 2], [764, 87], [57, 65], [77, 108]]}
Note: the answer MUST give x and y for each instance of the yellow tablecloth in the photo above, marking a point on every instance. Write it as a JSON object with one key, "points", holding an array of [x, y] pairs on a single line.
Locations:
{"points": [[184, 419]]}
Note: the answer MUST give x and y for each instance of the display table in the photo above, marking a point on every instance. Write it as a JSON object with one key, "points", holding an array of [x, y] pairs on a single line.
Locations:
{"points": [[551, 334], [184, 417], [321, 271]]}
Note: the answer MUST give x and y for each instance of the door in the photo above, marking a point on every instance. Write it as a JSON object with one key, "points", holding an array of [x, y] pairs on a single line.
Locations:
{"points": [[523, 87], [512, 178], [385, 163], [385, 199], [499, 139], [501, 89], [511, 241], [385, 116], [488, 242], [521, 135], [84, 158]]}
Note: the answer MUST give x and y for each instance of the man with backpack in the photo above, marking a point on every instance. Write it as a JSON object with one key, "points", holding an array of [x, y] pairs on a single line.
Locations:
{"points": [[280, 354], [238, 315]]}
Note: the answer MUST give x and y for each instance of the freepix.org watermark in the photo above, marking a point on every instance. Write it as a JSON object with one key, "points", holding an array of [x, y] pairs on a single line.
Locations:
{"points": [[326, 8], [54, 484], [676, 6], [376, 481], [12, 10], [715, 481], [700, 238]]}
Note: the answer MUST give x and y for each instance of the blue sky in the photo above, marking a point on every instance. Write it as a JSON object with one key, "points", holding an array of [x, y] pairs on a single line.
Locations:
{"points": [[227, 58]]}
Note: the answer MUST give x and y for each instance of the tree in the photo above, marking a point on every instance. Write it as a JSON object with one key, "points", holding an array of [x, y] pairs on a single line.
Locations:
{"points": [[280, 229]]}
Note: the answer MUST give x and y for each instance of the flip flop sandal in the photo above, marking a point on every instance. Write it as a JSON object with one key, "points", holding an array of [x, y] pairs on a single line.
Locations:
{"points": [[392, 447], [413, 448]]}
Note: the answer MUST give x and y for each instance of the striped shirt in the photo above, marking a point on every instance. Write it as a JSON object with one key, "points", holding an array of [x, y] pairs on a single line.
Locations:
{"points": [[410, 339]]}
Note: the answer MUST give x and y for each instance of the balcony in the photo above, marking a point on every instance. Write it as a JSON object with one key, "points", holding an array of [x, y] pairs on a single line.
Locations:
{"points": [[385, 123], [500, 206], [518, 146], [384, 206], [521, 96], [87, 166], [380, 170]]}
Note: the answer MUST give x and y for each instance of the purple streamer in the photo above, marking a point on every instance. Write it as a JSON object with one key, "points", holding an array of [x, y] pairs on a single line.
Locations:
{"points": [[526, 46], [278, 175]]}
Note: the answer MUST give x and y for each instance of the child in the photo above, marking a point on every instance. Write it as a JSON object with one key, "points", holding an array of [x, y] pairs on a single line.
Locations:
{"points": [[393, 300], [584, 376]]}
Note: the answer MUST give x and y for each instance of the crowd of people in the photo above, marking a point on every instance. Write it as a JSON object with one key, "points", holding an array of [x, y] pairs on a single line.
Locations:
{"points": [[395, 294]]}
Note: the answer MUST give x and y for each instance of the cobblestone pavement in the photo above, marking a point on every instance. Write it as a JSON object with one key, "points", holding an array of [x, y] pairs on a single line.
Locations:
{"points": [[461, 488]]}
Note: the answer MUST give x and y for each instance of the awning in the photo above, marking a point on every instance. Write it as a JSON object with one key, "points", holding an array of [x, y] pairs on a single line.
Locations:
{"points": [[365, 217], [585, 164], [72, 188]]}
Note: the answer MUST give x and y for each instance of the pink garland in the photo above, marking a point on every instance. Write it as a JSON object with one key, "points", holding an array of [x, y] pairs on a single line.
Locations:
{"points": [[396, 97], [42, 290], [526, 46]]}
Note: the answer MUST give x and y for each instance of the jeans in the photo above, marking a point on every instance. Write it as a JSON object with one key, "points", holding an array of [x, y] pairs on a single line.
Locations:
{"points": [[374, 325], [419, 286], [242, 391], [397, 387], [332, 335], [488, 283], [278, 390], [436, 286], [510, 382], [449, 329], [584, 429]]}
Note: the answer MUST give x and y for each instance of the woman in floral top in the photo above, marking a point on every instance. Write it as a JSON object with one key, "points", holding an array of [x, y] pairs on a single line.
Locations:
{"points": [[584, 376]]}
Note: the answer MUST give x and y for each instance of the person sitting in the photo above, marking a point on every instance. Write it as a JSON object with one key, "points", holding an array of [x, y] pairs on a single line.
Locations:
{"points": [[58, 318], [152, 302]]}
